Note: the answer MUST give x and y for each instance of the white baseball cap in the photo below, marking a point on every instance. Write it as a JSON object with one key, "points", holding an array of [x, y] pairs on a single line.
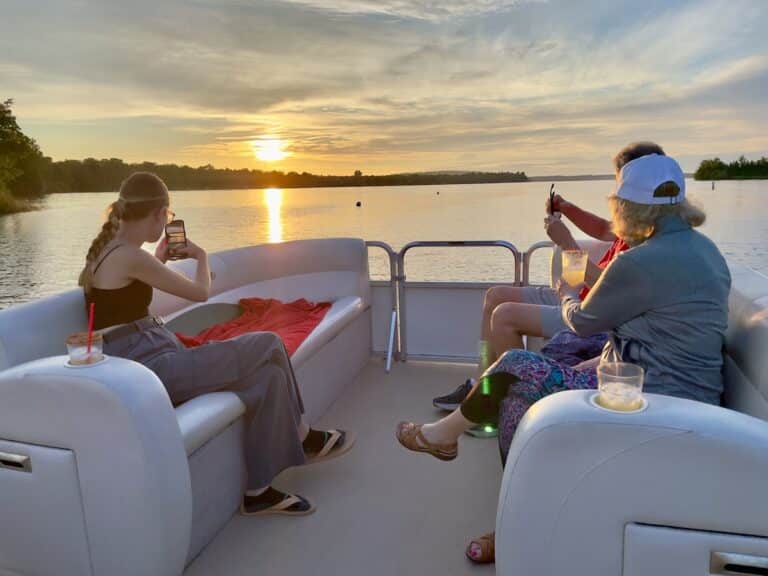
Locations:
{"points": [[641, 180]]}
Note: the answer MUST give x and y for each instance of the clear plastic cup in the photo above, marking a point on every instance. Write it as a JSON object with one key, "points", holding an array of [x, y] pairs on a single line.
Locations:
{"points": [[77, 348], [620, 386], [574, 266]]}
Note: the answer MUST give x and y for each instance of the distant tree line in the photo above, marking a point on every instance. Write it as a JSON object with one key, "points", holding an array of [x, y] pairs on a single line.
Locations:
{"points": [[91, 175], [741, 169]]}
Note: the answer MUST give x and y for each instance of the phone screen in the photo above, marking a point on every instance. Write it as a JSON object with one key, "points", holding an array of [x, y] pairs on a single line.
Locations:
{"points": [[176, 236]]}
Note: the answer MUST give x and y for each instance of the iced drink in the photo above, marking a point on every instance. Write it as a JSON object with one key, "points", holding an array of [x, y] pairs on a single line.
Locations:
{"points": [[620, 386], [77, 347], [574, 266]]}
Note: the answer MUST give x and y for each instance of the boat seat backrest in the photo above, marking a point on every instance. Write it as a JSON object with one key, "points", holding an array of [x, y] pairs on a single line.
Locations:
{"points": [[746, 361], [38, 329], [339, 265]]}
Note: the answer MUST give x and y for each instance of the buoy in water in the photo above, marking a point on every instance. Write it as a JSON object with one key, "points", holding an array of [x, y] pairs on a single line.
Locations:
{"points": [[358, 203], [438, 192]]}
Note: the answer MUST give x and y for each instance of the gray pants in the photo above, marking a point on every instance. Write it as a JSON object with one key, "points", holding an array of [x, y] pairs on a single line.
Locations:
{"points": [[253, 366]]}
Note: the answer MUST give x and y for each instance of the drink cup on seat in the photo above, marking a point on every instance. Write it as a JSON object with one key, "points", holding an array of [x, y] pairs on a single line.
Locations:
{"points": [[574, 266], [620, 386], [77, 348]]}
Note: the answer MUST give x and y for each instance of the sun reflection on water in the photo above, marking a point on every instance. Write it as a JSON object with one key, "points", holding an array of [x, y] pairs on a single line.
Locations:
{"points": [[273, 198]]}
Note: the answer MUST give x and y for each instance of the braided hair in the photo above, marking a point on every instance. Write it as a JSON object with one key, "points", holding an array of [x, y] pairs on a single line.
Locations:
{"points": [[140, 194]]}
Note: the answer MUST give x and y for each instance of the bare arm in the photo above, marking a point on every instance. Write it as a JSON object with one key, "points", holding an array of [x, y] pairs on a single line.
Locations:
{"points": [[591, 224], [150, 270]]}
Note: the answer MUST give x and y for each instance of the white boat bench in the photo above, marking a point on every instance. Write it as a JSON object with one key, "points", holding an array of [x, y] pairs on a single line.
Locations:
{"points": [[676, 489], [112, 479]]}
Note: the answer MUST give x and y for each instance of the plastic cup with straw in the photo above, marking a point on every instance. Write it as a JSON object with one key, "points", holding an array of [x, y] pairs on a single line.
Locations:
{"points": [[85, 347]]}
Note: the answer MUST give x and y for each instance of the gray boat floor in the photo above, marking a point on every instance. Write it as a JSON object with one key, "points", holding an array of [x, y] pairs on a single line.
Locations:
{"points": [[381, 510]]}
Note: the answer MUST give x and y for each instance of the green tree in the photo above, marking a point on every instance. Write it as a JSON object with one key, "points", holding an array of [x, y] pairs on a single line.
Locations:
{"points": [[740, 169], [21, 162], [711, 170]]}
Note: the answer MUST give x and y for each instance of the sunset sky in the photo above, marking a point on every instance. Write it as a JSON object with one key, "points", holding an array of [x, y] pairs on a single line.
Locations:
{"points": [[331, 86]]}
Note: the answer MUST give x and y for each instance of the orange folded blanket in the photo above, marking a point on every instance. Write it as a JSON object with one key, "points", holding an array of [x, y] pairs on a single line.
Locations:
{"points": [[292, 321]]}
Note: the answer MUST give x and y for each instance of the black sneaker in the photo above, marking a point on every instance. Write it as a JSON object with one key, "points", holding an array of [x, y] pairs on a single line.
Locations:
{"points": [[453, 400]]}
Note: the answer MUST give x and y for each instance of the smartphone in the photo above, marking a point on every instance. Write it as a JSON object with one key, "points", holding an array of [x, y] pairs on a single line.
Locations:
{"points": [[551, 198], [176, 236], [551, 206]]}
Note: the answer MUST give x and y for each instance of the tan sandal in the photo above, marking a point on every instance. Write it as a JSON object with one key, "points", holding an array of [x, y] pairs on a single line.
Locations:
{"points": [[339, 442], [410, 436], [487, 543]]}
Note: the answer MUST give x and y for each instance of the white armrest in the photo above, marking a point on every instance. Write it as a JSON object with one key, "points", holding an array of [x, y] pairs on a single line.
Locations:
{"points": [[134, 501], [576, 475]]}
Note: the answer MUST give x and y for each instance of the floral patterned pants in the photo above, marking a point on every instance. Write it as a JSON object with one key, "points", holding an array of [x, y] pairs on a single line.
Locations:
{"points": [[536, 376]]}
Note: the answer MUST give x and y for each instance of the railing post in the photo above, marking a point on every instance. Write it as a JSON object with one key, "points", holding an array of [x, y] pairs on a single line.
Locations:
{"points": [[527, 259], [393, 348]]}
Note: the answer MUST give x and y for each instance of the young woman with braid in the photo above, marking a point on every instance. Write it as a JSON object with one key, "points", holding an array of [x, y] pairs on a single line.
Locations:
{"points": [[119, 278]]}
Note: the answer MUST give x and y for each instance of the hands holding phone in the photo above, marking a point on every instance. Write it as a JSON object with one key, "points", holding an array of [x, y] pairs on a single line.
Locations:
{"points": [[556, 230], [191, 250], [176, 246], [557, 202]]}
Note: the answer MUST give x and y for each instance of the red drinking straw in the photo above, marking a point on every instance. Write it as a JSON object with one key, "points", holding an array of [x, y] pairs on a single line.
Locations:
{"points": [[90, 326]]}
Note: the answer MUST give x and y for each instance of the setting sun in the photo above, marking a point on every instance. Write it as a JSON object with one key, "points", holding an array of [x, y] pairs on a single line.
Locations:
{"points": [[270, 150]]}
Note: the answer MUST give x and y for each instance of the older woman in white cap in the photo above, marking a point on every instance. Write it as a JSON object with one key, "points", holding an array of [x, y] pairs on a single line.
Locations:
{"points": [[664, 304]]}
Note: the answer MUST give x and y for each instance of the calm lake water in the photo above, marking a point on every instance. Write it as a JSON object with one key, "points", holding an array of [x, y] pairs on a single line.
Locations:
{"points": [[42, 252]]}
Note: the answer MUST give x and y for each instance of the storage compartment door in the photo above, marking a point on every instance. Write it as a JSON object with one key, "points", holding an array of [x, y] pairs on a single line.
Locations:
{"points": [[42, 529], [660, 551]]}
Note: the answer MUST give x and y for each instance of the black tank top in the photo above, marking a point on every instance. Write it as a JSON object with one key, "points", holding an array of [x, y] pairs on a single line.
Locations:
{"points": [[114, 306]]}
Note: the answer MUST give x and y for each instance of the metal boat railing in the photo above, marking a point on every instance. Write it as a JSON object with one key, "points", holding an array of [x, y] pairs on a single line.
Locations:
{"points": [[397, 347]]}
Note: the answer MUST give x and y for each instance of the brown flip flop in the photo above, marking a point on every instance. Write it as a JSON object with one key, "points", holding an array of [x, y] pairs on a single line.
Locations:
{"points": [[339, 442], [487, 543], [410, 436]]}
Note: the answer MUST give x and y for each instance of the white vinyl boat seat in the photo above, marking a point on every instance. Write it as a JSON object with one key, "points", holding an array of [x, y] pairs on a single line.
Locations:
{"points": [[95, 462], [677, 488]]}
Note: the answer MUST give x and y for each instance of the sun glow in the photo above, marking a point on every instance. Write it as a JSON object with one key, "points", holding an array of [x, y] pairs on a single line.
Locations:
{"points": [[270, 149]]}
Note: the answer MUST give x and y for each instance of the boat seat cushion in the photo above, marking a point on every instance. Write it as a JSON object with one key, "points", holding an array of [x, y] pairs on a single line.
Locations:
{"points": [[195, 320], [342, 312], [204, 417]]}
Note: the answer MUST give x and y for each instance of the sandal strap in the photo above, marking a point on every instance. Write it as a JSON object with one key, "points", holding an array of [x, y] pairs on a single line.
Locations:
{"points": [[287, 502], [330, 444], [432, 445]]}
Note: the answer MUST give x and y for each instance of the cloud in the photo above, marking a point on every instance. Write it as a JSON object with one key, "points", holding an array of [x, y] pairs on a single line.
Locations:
{"points": [[392, 84], [418, 9]]}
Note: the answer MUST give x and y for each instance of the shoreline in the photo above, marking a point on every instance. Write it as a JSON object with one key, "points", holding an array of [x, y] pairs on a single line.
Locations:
{"points": [[10, 205]]}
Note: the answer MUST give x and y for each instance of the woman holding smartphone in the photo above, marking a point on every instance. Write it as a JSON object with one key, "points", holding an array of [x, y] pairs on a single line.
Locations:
{"points": [[119, 278]]}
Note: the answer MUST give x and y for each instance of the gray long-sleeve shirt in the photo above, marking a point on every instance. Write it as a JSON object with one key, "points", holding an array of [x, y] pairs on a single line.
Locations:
{"points": [[665, 303]]}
